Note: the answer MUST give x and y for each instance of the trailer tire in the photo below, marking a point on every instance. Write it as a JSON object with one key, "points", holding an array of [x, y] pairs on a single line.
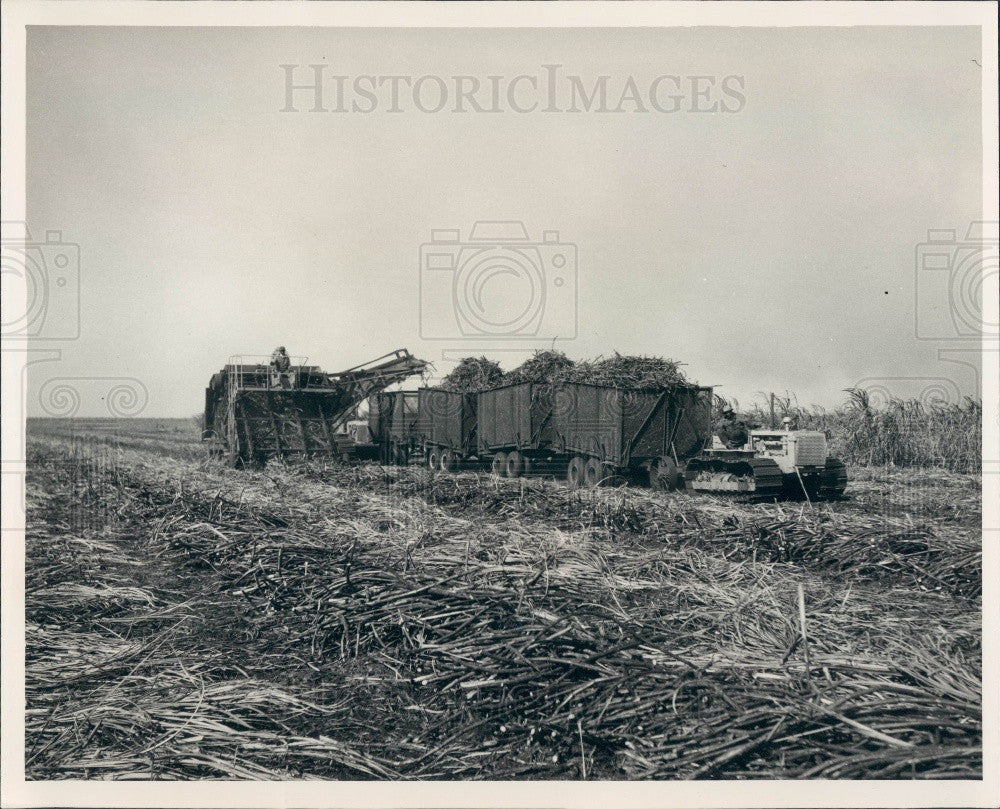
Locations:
{"points": [[434, 459], [574, 472], [449, 461], [664, 475], [593, 473], [515, 465], [499, 466]]}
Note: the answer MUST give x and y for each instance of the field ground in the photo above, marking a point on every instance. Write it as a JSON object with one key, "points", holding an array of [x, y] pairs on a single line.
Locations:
{"points": [[185, 620]]}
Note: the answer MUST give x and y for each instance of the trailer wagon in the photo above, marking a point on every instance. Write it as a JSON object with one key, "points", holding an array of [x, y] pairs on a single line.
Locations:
{"points": [[515, 426], [393, 419], [603, 431], [447, 425]]}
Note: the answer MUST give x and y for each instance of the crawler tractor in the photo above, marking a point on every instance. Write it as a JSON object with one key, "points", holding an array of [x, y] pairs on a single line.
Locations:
{"points": [[771, 463]]}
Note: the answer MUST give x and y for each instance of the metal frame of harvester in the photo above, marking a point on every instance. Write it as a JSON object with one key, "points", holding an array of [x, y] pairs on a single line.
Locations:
{"points": [[254, 413]]}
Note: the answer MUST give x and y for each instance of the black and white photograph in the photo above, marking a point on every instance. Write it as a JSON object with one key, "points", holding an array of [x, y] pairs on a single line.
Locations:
{"points": [[516, 404]]}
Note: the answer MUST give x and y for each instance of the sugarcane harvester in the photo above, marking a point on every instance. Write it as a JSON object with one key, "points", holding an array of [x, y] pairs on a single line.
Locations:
{"points": [[256, 410]]}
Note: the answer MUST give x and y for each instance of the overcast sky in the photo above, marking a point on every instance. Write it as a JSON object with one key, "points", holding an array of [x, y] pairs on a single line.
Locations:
{"points": [[769, 245]]}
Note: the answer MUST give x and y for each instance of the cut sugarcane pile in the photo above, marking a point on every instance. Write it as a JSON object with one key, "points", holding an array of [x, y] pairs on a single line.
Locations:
{"points": [[190, 621]]}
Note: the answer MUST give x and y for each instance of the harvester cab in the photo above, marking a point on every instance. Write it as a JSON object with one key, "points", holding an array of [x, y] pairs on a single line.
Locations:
{"points": [[254, 413]]}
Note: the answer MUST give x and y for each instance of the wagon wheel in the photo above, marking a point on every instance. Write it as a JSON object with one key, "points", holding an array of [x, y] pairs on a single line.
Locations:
{"points": [[574, 472], [434, 458], [499, 467], [833, 479], [593, 472], [449, 461], [515, 465], [664, 475]]}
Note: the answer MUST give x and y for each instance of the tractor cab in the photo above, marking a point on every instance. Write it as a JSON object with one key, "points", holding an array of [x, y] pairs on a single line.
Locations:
{"points": [[790, 449]]}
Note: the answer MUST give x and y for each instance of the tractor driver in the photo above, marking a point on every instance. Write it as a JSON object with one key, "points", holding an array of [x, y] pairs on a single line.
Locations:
{"points": [[731, 431]]}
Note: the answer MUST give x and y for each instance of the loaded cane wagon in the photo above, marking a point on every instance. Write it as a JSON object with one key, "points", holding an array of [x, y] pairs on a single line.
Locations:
{"points": [[516, 427], [447, 425], [603, 431]]}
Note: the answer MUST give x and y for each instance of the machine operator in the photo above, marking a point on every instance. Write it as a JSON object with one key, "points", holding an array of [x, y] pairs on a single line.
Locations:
{"points": [[281, 364]]}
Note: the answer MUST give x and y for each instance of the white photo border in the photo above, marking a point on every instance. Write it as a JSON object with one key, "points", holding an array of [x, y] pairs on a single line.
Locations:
{"points": [[18, 792]]}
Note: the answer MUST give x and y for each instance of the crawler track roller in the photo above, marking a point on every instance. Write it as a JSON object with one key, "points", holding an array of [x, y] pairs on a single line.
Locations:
{"points": [[760, 477]]}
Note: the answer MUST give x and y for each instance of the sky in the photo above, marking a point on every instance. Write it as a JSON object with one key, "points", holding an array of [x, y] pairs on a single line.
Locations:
{"points": [[770, 243]]}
